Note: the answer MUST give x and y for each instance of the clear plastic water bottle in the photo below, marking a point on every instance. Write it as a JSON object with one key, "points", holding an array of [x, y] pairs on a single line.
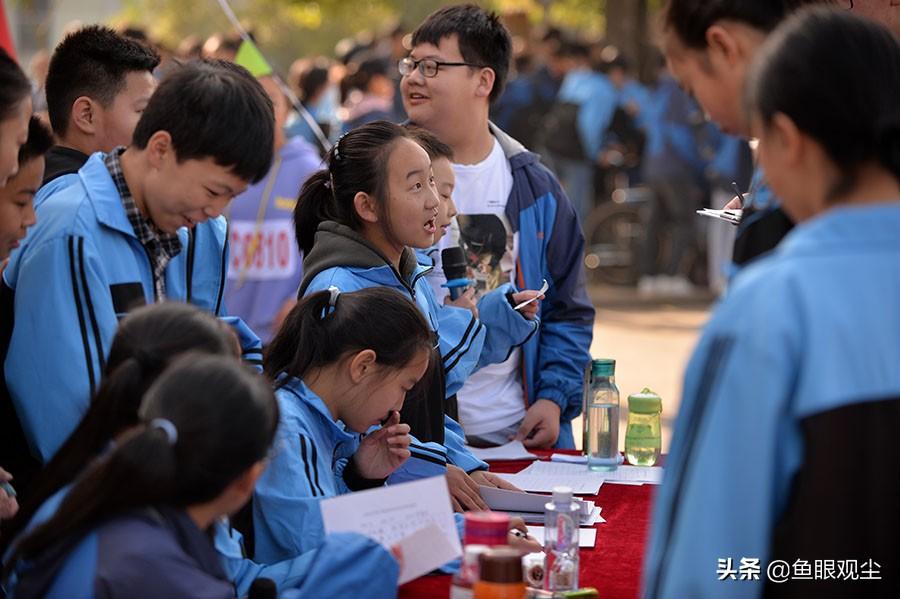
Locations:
{"points": [[642, 437], [601, 417], [561, 517]]}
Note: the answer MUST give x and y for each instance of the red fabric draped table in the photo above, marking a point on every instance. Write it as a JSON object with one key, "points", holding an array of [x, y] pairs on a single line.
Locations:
{"points": [[613, 565]]}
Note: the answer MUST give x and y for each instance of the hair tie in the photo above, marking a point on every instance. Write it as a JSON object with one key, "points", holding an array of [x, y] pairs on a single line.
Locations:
{"points": [[167, 427], [337, 148], [334, 293]]}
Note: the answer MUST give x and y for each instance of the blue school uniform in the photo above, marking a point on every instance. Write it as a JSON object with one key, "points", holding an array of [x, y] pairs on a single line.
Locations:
{"points": [[461, 336], [800, 343], [80, 270]]}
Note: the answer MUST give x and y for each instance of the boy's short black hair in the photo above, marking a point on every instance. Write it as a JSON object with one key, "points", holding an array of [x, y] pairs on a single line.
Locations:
{"points": [[40, 138], [92, 62], [213, 109], [691, 18], [430, 143], [483, 40]]}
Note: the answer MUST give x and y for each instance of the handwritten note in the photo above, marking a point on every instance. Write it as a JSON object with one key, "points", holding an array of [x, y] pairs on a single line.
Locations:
{"points": [[398, 514]]}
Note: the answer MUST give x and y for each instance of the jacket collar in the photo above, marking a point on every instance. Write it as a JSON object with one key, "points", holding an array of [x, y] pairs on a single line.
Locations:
{"points": [[103, 195], [304, 395], [339, 245]]}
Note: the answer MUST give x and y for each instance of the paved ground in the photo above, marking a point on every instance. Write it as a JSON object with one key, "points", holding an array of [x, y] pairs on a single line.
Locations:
{"points": [[651, 342]]}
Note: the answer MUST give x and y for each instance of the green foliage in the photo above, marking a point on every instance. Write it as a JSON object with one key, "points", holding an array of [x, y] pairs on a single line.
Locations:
{"points": [[287, 29]]}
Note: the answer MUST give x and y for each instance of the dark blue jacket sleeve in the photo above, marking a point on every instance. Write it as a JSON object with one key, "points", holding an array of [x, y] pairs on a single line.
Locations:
{"points": [[567, 314]]}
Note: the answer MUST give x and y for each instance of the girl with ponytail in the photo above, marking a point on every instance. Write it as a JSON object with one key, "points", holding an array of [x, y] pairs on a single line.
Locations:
{"points": [[135, 524], [795, 377], [357, 222], [343, 364], [147, 341]]}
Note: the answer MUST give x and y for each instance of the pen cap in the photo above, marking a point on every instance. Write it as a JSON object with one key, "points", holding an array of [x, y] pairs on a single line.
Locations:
{"points": [[501, 565], [645, 402]]}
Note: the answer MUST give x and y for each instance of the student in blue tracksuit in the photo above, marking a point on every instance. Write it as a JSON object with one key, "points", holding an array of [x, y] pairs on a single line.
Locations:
{"points": [[207, 425], [344, 364], [501, 184], [98, 84], [128, 233], [506, 328], [357, 221], [785, 447], [146, 342]]}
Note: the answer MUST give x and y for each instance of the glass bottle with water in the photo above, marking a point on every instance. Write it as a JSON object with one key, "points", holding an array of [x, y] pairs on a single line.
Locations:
{"points": [[601, 417], [561, 518]]}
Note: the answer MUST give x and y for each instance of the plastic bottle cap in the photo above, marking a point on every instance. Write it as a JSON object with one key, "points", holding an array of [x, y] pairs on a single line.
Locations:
{"points": [[486, 528], [645, 402], [562, 494], [603, 367], [502, 565]]}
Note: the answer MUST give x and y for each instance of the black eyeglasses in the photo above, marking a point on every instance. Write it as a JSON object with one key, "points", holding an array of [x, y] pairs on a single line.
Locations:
{"points": [[428, 66]]}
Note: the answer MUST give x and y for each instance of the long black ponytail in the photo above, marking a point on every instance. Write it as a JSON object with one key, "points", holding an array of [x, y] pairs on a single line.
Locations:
{"points": [[146, 341], [207, 419]]}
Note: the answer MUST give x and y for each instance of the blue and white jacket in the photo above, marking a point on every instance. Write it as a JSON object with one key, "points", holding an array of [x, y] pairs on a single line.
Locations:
{"points": [[793, 384], [81, 269], [551, 247], [343, 258]]}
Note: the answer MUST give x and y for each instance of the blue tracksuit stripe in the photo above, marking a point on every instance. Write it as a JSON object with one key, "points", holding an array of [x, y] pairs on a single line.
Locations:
{"points": [[465, 338], [88, 358], [316, 491], [90, 306], [472, 341]]}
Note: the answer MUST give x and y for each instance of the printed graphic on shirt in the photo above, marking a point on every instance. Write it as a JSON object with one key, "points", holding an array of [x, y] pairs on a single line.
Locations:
{"points": [[489, 246], [263, 251]]}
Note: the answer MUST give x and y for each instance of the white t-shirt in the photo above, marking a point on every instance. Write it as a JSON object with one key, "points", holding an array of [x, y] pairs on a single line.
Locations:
{"points": [[492, 398]]}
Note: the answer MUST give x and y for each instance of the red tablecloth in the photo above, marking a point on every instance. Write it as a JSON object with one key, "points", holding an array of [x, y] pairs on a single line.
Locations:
{"points": [[613, 566]]}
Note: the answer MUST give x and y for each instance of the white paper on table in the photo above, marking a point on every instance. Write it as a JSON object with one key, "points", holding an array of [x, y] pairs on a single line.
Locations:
{"points": [[635, 475], [587, 537], [587, 484], [396, 514], [514, 450], [515, 501], [543, 476]]}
